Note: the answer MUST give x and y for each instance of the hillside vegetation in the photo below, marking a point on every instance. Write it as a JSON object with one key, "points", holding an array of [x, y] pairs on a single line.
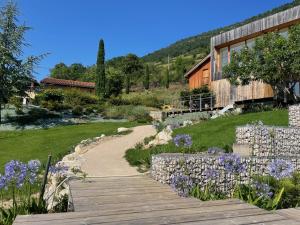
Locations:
{"points": [[161, 71], [199, 44]]}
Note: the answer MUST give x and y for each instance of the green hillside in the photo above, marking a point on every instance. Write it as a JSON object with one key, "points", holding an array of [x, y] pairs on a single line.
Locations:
{"points": [[198, 46]]}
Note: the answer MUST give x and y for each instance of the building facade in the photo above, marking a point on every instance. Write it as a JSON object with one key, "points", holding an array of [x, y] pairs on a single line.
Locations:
{"points": [[224, 44]]}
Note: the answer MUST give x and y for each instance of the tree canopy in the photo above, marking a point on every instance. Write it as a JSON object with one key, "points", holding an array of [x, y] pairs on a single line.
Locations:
{"points": [[274, 60], [16, 72]]}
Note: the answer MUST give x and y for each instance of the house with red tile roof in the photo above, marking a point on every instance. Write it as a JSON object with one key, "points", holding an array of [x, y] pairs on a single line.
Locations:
{"points": [[50, 82]]}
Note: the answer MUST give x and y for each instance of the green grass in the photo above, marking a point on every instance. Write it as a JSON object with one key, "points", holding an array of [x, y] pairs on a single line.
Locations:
{"points": [[219, 132], [37, 144]]}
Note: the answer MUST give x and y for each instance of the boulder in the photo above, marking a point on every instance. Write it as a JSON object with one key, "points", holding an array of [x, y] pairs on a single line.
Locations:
{"points": [[162, 137], [187, 123]]}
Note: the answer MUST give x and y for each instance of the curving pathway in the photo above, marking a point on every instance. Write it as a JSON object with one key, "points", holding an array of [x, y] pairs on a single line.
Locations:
{"points": [[107, 158]]}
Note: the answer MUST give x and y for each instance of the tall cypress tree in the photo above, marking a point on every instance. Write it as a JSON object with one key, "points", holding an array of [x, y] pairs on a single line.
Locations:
{"points": [[147, 77], [100, 70], [167, 77]]}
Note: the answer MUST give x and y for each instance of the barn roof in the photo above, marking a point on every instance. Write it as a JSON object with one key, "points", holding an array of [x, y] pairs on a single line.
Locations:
{"points": [[197, 66], [67, 83]]}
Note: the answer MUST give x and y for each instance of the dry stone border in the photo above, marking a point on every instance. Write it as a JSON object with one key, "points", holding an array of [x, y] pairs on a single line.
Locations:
{"points": [[266, 143], [167, 165]]}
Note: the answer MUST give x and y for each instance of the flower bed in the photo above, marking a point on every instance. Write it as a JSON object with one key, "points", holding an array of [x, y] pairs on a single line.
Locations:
{"points": [[218, 176]]}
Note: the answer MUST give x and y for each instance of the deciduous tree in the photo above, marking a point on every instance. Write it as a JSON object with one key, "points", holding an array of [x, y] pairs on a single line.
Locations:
{"points": [[131, 66], [273, 60]]}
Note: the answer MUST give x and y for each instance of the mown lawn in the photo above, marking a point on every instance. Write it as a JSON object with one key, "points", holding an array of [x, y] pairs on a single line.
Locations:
{"points": [[58, 141], [219, 132]]}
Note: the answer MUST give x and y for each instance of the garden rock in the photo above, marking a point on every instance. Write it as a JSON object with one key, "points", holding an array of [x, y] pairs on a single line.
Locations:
{"points": [[187, 123], [73, 163], [162, 137], [123, 129]]}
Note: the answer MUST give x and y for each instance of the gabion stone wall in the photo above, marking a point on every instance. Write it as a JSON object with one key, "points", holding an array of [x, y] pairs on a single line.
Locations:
{"points": [[270, 141], [294, 116], [165, 166]]}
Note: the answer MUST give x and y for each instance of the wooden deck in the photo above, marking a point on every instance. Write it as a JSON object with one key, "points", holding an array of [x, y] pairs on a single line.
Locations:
{"points": [[140, 200]]}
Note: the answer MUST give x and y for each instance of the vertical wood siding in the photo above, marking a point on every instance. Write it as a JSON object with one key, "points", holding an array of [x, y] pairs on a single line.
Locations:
{"points": [[266, 23], [227, 94], [196, 79]]}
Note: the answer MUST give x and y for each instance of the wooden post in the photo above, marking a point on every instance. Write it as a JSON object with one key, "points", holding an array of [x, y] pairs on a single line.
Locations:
{"points": [[200, 103], [45, 178], [211, 102], [191, 103]]}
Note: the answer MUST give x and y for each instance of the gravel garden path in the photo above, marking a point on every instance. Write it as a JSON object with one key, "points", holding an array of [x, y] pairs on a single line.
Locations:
{"points": [[107, 158]]}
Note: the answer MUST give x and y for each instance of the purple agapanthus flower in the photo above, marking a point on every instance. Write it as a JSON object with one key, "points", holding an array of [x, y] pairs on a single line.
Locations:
{"points": [[211, 173], [183, 140], [232, 163], [3, 183], [215, 150], [262, 189], [33, 168], [280, 168], [182, 184], [16, 171], [58, 169]]}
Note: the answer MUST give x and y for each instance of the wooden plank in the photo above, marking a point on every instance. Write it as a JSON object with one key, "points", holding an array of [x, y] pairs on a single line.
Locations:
{"points": [[290, 213], [163, 217], [154, 205], [119, 209]]}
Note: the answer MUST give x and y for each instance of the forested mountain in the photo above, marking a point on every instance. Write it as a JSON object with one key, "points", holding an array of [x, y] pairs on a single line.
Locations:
{"points": [[199, 44]]}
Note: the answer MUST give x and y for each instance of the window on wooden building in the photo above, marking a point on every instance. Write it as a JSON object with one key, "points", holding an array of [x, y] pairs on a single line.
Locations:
{"points": [[237, 47], [205, 77], [250, 43], [223, 57], [284, 32]]}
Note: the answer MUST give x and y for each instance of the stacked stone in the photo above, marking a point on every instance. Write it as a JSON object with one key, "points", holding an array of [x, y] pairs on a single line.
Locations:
{"points": [[294, 116], [166, 166], [268, 141]]}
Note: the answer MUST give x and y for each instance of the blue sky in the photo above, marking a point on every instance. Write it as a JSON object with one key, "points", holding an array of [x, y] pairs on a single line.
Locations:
{"points": [[70, 29]]}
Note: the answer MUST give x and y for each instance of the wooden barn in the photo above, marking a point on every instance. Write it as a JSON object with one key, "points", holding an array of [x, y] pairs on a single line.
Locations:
{"points": [[234, 40], [199, 75]]}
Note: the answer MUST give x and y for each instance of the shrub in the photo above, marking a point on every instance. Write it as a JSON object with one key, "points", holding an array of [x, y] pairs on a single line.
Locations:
{"points": [[130, 112], [33, 116], [17, 103], [75, 97], [77, 110], [57, 99], [55, 95], [118, 101], [203, 90]]}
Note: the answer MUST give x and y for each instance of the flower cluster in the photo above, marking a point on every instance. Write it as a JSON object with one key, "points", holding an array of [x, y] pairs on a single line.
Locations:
{"points": [[280, 168], [17, 173], [58, 169], [211, 173], [262, 189], [232, 163], [215, 150], [183, 140], [182, 184]]}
